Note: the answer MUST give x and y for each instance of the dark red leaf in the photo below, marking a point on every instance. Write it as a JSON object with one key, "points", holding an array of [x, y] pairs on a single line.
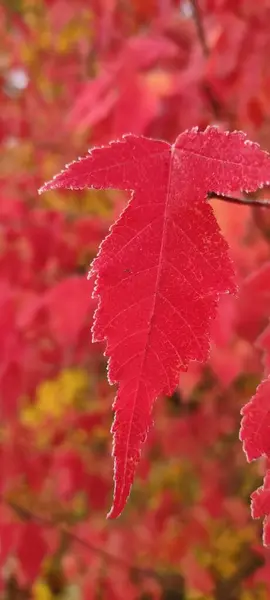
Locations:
{"points": [[31, 550]]}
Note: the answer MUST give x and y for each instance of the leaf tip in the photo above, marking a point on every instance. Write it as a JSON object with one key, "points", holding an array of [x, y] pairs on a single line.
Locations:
{"points": [[115, 511], [46, 187]]}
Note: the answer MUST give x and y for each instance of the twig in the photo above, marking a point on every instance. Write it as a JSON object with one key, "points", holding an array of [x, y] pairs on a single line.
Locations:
{"points": [[169, 581], [265, 203], [213, 101], [200, 28], [27, 514]]}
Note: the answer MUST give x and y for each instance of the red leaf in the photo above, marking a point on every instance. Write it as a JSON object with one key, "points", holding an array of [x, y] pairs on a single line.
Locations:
{"points": [[254, 432], [266, 531], [95, 101], [160, 271], [263, 342], [68, 473], [253, 303], [69, 304], [260, 507], [196, 576], [261, 499], [10, 390], [9, 534], [31, 550]]}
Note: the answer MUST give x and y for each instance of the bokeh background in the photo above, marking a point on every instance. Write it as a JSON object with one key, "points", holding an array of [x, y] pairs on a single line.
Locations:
{"points": [[73, 74]]}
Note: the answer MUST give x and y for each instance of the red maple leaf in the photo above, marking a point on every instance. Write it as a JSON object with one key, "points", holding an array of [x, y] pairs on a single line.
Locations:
{"points": [[260, 507], [162, 267], [254, 434]]}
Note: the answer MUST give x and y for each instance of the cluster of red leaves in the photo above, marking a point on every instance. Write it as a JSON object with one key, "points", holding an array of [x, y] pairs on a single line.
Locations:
{"points": [[74, 74]]}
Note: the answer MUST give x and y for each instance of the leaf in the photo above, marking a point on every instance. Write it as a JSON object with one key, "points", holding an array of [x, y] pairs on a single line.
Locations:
{"points": [[66, 322], [69, 474], [94, 102], [31, 550], [162, 267], [196, 576], [255, 424], [263, 342], [254, 434], [112, 89], [260, 507], [261, 499], [9, 535], [10, 389], [253, 303]]}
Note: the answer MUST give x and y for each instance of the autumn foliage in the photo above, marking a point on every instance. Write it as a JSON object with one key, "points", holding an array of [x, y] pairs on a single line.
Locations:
{"points": [[179, 294]]}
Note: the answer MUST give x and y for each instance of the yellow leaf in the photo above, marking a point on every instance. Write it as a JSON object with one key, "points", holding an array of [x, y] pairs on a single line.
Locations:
{"points": [[41, 591], [55, 396]]}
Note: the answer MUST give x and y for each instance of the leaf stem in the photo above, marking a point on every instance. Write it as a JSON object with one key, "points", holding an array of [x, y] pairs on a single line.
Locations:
{"points": [[265, 203]]}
